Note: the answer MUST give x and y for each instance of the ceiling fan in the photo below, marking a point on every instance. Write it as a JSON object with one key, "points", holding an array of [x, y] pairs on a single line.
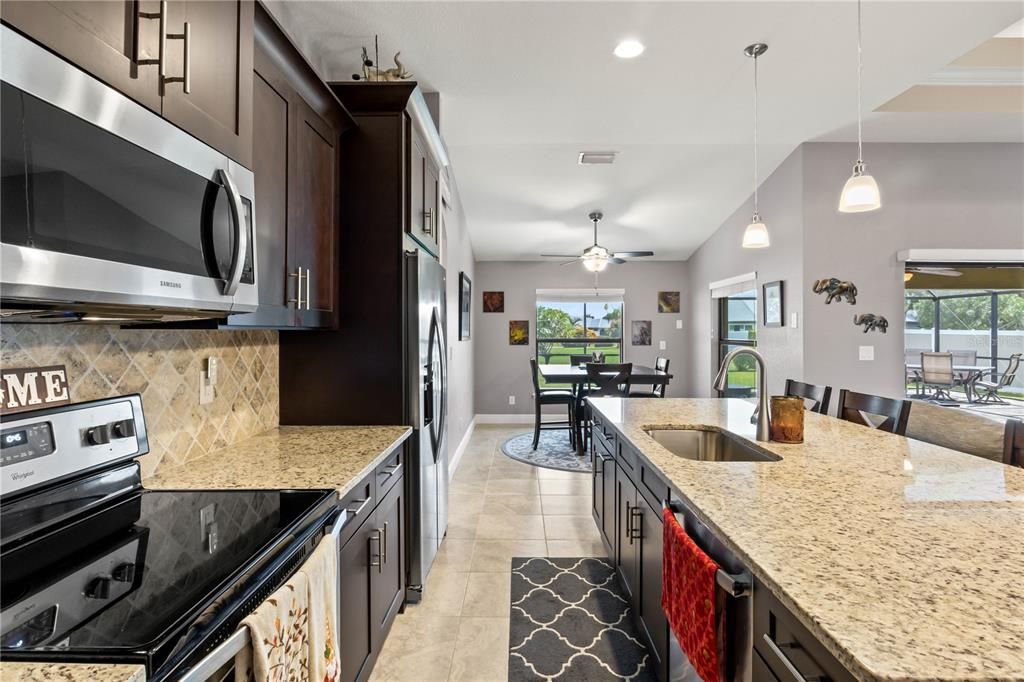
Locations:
{"points": [[924, 270], [596, 257]]}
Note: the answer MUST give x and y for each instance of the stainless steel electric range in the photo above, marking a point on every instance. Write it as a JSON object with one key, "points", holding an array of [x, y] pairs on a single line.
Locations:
{"points": [[95, 568]]}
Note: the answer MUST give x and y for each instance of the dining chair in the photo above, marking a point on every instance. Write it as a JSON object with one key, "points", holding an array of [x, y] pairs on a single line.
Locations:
{"points": [[854, 406], [818, 395], [1013, 443], [937, 374], [580, 360], [655, 391], [988, 391], [551, 396], [609, 379]]}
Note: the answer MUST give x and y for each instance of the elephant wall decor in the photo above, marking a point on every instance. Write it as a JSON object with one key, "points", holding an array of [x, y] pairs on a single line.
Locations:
{"points": [[871, 322], [836, 290]]}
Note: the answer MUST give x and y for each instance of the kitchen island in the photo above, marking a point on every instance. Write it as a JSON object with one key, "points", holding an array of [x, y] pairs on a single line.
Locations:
{"points": [[16, 671], [903, 559]]}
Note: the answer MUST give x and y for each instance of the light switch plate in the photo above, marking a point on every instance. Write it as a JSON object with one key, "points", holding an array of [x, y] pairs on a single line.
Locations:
{"points": [[211, 370], [794, 320], [679, 324], [661, 345], [511, 400], [206, 390], [867, 352]]}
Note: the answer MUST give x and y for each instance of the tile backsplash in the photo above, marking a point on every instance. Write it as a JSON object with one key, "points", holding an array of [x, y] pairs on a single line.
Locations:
{"points": [[164, 366]]}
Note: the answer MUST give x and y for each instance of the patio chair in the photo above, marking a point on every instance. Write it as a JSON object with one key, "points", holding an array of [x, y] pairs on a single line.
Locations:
{"points": [[913, 357], [988, 391], [937, 374], [964, 357]]}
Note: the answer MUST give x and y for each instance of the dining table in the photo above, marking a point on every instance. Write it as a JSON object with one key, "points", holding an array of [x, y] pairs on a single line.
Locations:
{"points": [[576, 376], [970, 374]]}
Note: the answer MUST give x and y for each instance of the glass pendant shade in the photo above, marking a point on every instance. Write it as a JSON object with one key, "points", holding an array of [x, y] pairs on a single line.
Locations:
{"points": [[595, 264], [860, 193], [756, 235]]}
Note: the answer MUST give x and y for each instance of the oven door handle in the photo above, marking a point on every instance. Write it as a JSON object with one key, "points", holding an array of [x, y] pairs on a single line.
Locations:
{"points": [[241, 233]]}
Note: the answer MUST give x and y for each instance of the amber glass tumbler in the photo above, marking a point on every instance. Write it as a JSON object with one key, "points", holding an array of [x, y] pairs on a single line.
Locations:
{"points": [[787, 419]]}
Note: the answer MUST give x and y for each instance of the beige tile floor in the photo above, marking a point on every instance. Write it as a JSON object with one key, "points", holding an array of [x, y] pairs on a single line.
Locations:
{"points": [[499, 508]]}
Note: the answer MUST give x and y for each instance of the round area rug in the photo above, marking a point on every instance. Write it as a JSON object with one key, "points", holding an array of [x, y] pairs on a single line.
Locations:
{"points": [[553, 451]]}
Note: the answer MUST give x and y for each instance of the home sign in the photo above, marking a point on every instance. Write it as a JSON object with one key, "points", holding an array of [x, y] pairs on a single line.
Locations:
{"points": [[33, 388]]}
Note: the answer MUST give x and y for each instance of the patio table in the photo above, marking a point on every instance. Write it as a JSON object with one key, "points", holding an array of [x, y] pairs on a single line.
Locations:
{"points": [[972, 372]]}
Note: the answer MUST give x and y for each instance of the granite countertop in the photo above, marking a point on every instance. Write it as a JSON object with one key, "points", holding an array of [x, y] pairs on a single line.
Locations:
{"points": [[11, 671], [904, 558], [290, 457]]}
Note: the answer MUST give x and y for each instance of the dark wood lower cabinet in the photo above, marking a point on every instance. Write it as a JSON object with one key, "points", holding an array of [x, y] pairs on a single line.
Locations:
{"points": [[652, 618], [627, 553], [372, 584], [603, 497]]}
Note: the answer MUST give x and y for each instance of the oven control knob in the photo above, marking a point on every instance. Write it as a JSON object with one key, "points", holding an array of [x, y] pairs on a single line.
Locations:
{"points": [[123, 429], [125, 573], [98, 435], [99, 588]]}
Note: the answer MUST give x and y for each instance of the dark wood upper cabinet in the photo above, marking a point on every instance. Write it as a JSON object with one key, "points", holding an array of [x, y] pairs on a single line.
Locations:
{"points": [[99, 36], [297, 128], [119, 43], [218, 106]]}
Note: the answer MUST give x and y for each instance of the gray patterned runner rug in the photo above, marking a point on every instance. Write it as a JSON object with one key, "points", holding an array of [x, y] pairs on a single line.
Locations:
{"points": [[570, 621]]}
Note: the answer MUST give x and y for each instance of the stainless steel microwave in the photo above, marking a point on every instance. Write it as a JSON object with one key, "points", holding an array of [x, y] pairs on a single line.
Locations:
{"points": [[109, 211]]}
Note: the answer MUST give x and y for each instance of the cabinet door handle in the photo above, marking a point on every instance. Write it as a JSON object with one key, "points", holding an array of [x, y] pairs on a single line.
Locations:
{"points": [[308, 277], [186, 37], [378, 556], [634, 532], [298, 289], [629, 522], [384, 544], [794, 672], [159, 61], [362, 505], [428, 221]]}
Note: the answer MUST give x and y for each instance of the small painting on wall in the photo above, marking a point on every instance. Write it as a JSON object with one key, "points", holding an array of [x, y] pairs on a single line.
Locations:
{"points": [[773, 312], [494, 301], [668, 301], [519, 333], [641, 332], [465, 303]]}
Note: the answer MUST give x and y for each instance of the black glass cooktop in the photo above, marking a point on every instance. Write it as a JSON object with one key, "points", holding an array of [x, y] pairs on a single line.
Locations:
{"points": [[136, 572]]}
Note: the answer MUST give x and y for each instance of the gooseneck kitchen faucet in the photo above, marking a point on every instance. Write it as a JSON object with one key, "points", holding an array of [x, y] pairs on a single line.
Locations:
{"points": [[761, 417]]}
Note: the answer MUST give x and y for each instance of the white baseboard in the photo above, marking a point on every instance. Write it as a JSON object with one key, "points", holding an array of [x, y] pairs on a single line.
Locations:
{"points": [[453, 462], [504, 419]]}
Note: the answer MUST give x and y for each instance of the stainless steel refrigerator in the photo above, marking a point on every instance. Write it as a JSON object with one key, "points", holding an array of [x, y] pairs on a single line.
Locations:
{"points": [[427, 473]]}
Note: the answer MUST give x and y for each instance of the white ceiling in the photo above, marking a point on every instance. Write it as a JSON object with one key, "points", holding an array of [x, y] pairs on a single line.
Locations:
{"points": [[525, 86]]}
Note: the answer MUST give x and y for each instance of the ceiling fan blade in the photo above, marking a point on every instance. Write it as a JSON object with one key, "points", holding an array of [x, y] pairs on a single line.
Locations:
{"points": [[633, 254], [558, 255], [616, 261], [570, 262]]}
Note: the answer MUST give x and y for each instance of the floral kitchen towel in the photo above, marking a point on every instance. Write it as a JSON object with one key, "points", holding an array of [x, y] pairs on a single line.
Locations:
{"points": [[321, 571], [280, 634]]}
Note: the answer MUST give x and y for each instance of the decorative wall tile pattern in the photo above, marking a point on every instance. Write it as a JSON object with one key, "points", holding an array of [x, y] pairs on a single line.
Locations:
{"points": [[164, 366]]}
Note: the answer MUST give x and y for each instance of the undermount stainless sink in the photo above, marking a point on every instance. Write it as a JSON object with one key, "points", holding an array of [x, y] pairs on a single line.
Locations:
{"points": [[709, 446]]}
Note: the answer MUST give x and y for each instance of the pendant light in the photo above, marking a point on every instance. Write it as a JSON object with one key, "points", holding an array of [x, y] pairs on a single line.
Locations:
{"points": [[860, 193], [756, 234]]}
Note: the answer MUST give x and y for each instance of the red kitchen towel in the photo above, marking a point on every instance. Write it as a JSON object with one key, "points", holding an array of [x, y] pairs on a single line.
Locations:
{"points": [[691, 601]]}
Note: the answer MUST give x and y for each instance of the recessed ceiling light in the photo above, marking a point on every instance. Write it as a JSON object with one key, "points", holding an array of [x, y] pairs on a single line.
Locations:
{"points": [[628, 49]]}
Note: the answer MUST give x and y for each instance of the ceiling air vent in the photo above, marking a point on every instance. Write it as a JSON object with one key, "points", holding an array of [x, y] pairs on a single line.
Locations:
{"points": [[596, 158]]}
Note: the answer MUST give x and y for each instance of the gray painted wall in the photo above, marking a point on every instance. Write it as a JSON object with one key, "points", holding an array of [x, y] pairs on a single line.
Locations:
{"points": [[503, 370], [933, 196], [721, 257], [457, 256]]}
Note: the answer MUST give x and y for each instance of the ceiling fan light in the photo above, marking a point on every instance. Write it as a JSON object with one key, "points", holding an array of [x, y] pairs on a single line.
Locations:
{"points": [[860, 193], [756, 235], [595, 264]]}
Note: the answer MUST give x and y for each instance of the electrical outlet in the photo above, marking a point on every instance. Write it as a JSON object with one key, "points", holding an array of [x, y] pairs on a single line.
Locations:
{"points": [[511, 400], [661, 345], [206, 390], [211, 370], [679, 324], [867, 352]]}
